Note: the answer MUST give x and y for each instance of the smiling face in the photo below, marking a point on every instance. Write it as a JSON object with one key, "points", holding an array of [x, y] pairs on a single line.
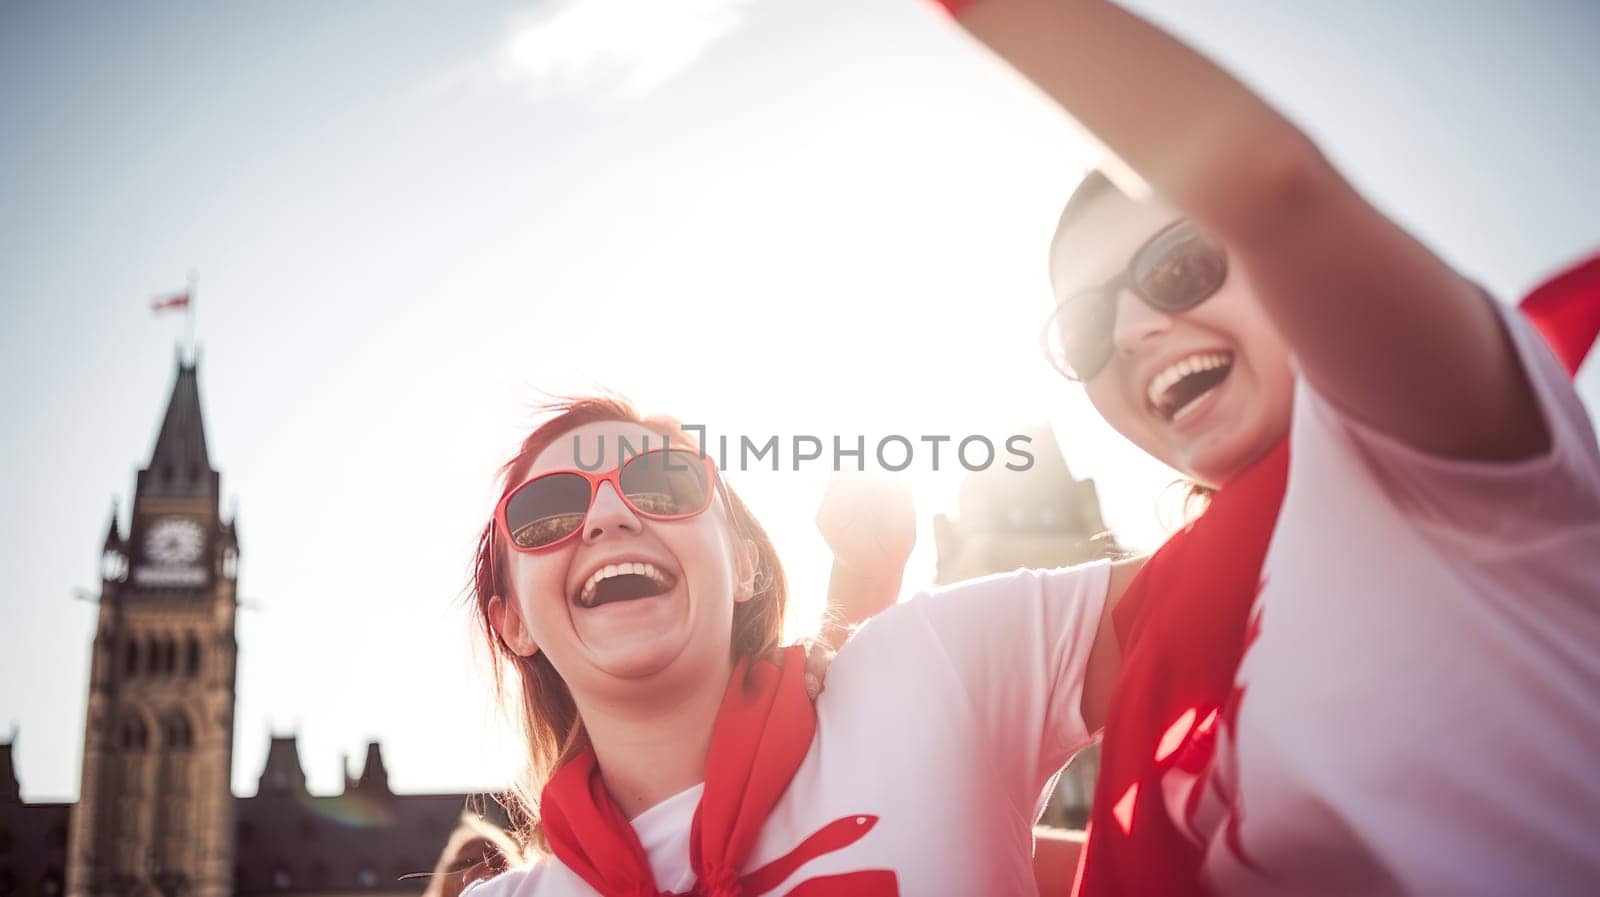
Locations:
{"points": [[628, 597], [1208, 390]]}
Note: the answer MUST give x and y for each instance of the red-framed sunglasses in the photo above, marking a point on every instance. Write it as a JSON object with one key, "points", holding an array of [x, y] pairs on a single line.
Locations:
{"points": [[549, 509]]}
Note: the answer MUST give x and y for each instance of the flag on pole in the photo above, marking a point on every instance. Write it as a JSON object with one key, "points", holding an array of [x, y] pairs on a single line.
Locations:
{"points": [[168, 303]]}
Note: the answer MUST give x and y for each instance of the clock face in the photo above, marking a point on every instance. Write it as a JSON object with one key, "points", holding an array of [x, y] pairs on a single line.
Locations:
{"points": [[175, 541]]}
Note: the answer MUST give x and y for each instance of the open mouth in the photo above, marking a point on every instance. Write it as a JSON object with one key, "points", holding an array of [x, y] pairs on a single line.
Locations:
{"points": [[1174, 392], [625, 582]]}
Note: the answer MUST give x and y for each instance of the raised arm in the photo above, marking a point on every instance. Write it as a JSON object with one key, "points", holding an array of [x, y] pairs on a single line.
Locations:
{"points": [[1377, 322], [870, 524]]}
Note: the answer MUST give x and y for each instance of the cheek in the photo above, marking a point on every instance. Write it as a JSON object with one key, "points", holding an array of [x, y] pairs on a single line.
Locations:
{"points": [[704, 551], [1267, 358], [1232, 316], [540, 582]]}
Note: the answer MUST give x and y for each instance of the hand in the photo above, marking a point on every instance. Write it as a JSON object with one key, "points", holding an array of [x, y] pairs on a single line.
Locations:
{"points": [[819, 656], [870, 524]]}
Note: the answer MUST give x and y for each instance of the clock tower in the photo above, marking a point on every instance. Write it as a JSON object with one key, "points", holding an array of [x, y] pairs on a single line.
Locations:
{"points": [[155, 808]]}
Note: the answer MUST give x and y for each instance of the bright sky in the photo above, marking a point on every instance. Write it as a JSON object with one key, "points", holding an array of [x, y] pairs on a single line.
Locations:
{"points": [[772, 218]]}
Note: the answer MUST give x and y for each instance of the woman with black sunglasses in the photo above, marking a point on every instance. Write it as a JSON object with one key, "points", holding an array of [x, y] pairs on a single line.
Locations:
{"points": [[1373, 664]]}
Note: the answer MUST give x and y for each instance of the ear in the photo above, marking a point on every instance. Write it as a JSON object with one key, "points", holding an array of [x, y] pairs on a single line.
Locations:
{"points": [[508, 623], [749, 561]]}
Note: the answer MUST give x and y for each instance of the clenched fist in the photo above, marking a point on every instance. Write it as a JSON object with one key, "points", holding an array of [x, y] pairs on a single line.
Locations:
{"points": [[870, 524]]}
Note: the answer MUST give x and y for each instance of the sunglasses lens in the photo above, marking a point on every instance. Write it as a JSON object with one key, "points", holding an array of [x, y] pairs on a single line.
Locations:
{"points": [[1180, 268], [1078, 335], [666, 484], [546, 509]]}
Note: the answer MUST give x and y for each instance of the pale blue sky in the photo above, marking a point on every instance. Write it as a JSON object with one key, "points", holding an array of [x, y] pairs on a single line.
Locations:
{"points": [[769, 216]]}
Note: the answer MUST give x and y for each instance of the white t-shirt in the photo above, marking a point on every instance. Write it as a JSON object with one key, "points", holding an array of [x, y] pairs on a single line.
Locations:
{"points": [[945, 718], [1421, 707]]}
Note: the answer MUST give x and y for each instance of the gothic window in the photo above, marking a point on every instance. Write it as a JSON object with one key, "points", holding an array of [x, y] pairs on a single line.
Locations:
{"points": [[179, 734], [152, 656], [191, 656], [133, 736], [169, 656], [130, 657]]}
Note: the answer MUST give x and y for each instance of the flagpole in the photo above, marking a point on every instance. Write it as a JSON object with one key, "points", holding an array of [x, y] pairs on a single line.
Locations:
{"points": [[188, 312]]}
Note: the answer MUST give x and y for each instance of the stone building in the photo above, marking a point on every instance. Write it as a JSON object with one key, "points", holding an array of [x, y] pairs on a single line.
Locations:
{"points": [[154, 808], [33, 838], [156, 814], [1041, 517], [366, 838]]}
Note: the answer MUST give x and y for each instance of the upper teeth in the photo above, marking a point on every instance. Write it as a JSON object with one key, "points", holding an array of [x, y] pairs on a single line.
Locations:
{"points": [[586, 594], [1179, 369]]}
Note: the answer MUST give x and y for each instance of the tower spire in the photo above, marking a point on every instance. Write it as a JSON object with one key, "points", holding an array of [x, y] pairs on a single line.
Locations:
{"points": [[374, 777], [180, 466]]}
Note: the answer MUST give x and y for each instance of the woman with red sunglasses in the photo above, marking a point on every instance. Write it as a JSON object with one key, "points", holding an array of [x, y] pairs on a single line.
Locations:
{"points": [[673, 748], [1372, 665]]}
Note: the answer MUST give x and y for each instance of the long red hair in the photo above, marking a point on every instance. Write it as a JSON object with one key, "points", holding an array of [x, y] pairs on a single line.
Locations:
{"points": [[544, 706]]}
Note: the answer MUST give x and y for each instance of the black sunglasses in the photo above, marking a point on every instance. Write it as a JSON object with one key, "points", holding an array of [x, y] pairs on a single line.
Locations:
{"points": [[1175, 270]]}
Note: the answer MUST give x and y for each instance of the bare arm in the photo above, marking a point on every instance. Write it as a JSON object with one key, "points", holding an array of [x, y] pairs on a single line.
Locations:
{"points": [[870, 524], [1377, 322], [854, 597]]}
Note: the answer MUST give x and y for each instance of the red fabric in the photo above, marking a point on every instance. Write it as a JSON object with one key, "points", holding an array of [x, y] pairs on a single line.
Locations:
{"points": [[763, 731], [1184, 624], [1566, 311], [179, 300]]}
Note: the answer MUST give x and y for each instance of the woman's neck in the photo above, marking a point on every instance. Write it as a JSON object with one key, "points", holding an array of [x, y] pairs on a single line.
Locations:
{"points": [[653, 746]]}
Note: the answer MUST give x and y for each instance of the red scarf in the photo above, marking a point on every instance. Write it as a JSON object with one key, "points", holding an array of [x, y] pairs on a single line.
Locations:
{"points": [[1184, 624], [762, 733]]}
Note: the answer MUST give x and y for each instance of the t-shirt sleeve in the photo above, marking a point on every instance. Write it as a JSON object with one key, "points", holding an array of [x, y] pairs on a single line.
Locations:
{"points": [[1503, 504], [521, 882], [1018, 644]]}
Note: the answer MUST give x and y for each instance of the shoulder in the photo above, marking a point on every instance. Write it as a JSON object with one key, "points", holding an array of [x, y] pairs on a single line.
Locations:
{"points": [[1000, 605], [1020, 592], [523, 881], [1060, 583]]}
